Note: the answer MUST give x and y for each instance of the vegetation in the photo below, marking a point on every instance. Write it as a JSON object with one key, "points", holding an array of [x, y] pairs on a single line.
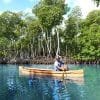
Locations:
{"points": [[43, 35], [97, 2]]}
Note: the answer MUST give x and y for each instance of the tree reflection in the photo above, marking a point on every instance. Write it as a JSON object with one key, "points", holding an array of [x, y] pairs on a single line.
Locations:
{"points": [[15, 87]]}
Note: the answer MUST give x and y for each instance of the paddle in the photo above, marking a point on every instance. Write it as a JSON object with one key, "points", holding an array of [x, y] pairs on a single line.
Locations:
{"points": [[64, 69], [64, 72]]}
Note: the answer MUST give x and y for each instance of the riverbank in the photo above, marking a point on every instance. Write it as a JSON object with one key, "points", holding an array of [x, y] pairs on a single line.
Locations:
{"points": [[45, 60]]}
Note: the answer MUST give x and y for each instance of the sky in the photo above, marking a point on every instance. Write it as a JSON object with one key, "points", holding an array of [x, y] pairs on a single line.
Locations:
{"points": [[17, 5], [85, 5], [27, 5]]}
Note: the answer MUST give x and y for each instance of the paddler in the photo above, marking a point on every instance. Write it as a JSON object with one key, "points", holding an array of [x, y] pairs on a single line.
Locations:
{"points": [[59, 64]]}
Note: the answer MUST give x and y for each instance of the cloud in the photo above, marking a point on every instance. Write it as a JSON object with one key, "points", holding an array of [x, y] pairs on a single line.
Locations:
{"points": [[85, 5], [35, 2], [28, 11], [7, 1]]}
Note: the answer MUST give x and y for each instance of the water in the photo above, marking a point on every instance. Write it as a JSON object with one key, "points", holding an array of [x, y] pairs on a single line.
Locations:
{"points": [[16, 87]]}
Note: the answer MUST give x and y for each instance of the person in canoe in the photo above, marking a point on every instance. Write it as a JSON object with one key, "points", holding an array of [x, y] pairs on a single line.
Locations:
{"points": [[59, 64]]}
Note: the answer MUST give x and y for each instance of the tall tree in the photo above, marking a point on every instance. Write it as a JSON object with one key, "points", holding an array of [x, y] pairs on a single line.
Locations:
{"points": [[72, 29], [49, 13]]}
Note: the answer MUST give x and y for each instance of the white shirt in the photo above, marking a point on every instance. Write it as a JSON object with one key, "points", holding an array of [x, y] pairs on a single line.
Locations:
{"points": [[56, 65]]}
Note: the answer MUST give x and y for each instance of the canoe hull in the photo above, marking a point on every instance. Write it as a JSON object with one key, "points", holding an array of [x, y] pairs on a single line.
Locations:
{"points": [[49, 72]]}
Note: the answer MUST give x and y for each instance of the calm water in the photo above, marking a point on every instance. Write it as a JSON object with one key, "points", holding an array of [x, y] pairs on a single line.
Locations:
{"points": [[16, 87]]}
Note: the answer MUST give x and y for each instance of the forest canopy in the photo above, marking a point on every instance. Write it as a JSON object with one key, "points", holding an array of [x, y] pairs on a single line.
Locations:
{"points": [[44, 34]]}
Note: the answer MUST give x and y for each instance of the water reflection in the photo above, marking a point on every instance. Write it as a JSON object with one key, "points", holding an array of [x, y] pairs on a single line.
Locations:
{"points": [[37, 88], [52, 89], [15, 87], [58, 90]]}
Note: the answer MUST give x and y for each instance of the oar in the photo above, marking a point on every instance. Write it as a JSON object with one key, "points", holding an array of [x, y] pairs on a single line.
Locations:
{"points": [[64, 73]]}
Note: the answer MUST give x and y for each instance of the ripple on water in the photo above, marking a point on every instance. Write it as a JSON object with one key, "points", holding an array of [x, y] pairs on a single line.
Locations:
{"points": [[15, 87]]}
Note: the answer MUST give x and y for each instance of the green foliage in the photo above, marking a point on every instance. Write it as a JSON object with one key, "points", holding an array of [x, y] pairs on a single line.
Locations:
{"points": [[49, 13], [76, 13], [4, 46], [49, 16], [72, 25], [97, 2], [93, 17], [90, 38], [32, 36], [8, 24], [35, 28], [3, 42]]}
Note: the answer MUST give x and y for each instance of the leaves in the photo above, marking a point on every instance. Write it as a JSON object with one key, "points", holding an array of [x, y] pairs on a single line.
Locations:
{"points": [[90, 39], [9, 22], [97, 2]]}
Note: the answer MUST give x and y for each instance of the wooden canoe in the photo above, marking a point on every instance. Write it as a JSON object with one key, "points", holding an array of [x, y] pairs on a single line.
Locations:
{"points": [[49, 72]]}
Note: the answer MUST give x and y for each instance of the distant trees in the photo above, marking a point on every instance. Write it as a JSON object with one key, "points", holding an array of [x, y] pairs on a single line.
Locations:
{"points": [[43, 35], [10, 25], [72, 29], [89, 40]]}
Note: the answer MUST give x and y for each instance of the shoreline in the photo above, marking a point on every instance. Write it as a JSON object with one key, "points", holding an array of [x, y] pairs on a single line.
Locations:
{"points": [[46, 60]]}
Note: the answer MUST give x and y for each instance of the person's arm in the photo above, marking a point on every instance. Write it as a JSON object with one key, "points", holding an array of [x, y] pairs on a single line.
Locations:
{"points": [[65, 68], [55, 65]]}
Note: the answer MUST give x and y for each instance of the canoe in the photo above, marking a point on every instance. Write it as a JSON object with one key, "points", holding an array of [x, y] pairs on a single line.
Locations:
{"points": [[49, 72]]}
